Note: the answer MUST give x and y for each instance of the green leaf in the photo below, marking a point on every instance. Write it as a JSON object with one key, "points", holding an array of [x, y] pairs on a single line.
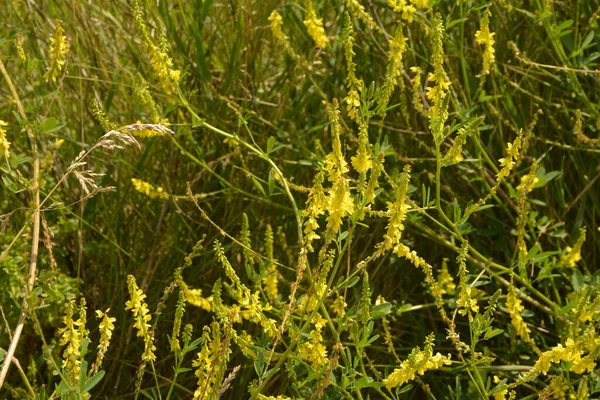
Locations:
{"points": [[93, 381], [367, 382]]}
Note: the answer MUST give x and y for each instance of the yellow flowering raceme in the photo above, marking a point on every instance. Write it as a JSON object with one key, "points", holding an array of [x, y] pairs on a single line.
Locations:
{"points": [[71, 335], [573, 254], [314, 25], [106, 328], [149, 190], [486, 38], [515, 308], [59, 47], [4, 143], [142, 317], [418, 362]]}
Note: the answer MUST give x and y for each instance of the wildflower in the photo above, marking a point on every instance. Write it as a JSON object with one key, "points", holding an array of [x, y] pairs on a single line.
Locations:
{"points": [[454, 154], [313, 350], [416, 85], [528, 181], [571, 352], [340, 201], [4, 143], [211, 362], [339, 306], [276, 21], [106, 328], [146, 130], [142, 317], [397, 211], [444, 281], [515, 308], [486, 38], [316, 204], [59, 47], [19, 46], [149, 190], [194, 296], [501, 395], [512, 154], [271, 275], [71, 335], [465, 303], [362, 161], [162, 65], [404, 7], [418, 363], [421, 4], [101, 117], [141, 92], [358, 10], [314, 26], [573, 254], [438, 112]]}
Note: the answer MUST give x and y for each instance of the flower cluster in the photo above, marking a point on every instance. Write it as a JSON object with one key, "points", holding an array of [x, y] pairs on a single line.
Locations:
{"points": [[397, 211], [418, 362], [314, 25], [59, 47], [142, 317], [438, 112], [71, 335], [486, 38], [573, 254], [465, 303], [515, 308], [106, 328], [149, 190], [340, 203], [4, 143], [315, 206]]}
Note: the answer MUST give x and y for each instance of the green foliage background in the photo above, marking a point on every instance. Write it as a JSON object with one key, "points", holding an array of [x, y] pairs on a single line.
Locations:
{"points": [[236, 73]]}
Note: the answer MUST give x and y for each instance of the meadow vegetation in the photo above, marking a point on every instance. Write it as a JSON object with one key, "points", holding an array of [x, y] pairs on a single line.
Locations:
{"points": [[348, 199]]}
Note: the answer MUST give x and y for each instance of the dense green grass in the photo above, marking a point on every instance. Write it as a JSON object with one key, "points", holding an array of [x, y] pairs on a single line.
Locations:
{"points": [[240, 79]]}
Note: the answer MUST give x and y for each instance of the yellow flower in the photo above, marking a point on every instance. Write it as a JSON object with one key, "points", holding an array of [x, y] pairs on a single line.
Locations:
{"points": [[71, 335], [445, 282], [149, 190], [515, 308], [418, 363], [316, 204], [106, 328], [486, 38], [313, 351], [397, 211], [573, 254], [340, 203], [315, 28], [4, 143], [194, 296], [142, 317], [59, 47], [276, 23]]}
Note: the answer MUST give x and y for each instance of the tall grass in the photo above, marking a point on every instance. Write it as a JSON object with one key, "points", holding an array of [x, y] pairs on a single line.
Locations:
{"points": [[326, 199]]}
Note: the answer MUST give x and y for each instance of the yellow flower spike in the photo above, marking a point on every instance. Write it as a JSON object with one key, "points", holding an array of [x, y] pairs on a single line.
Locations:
{"points": [[573, 254], [59, 47], [276, 21], [142, 317], [4, 143], [314, 25], [106, 328], [340, 201], [149, 190], [486, 38], [418, 363], [71, 336], [515, 308], [397, 211]]}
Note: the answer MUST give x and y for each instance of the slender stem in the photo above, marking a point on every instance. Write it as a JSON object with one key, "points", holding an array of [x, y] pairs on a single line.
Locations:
{"points": [[35, 232]]}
